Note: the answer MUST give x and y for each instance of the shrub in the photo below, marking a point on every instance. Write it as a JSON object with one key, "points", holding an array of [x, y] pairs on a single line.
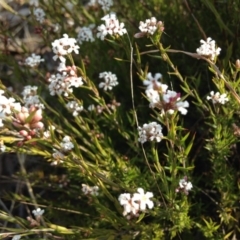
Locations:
{"points": [[124, 123]]}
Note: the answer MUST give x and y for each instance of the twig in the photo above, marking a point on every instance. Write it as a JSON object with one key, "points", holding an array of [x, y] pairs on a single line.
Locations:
{"points": [[21, 159], [195, 19], [136, 119], [197, 56]]}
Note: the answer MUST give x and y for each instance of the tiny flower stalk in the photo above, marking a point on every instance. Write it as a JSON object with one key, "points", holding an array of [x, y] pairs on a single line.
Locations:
{"points": [[138, 58], [166, 58], [159, 168], [157, 164], [85, 78], [157, 37]]}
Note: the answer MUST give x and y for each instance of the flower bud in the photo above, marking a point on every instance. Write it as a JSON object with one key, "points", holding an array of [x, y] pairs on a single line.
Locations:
{"points": [[37, 116], [238, 64], [38, 125], [24, 133], [160, 26], [21, 116]]}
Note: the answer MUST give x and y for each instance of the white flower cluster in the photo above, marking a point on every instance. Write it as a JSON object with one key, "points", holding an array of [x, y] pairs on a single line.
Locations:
{"points": [[74, 107], [7, 107], [34, 60], [165, 100], [31, 98], [62, 83], [38, 212], [184, 186], [208, 49], [218, 98], [138, 202], [149, 27], [150, 132], [58, 156], [66, 144], [39, 14], [47, 133], [64, 46], [105, 4], [87, 190], [110, 80], [111, 27], [85, 34]]}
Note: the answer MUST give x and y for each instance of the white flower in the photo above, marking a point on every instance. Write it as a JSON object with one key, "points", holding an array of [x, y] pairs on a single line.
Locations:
{"points": [[208, 49], [66, 144], [47, 134], [138, 202], [105, 4], [149, 26], [58, 156], [85, 34], [90, 190], [181, 107], [29, 91], [110, 80], [153, 83], [1, 123], [172, 102], [34, 60], [33, 101], [143, 199], [16, 237], [56, 27], [153, 96], [187, 185], [62, 67], [218, 98], [31, 98], [62, 83], [34, 3], [74, 107], [39, 14], [159, 97], [7, 107], [58, 86], [64, 46], [111, 27], [85, 189], [130, 207], [2, 147], [95, 190], [91, 107], [150, 132], [38, 212], [184, 186]]}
